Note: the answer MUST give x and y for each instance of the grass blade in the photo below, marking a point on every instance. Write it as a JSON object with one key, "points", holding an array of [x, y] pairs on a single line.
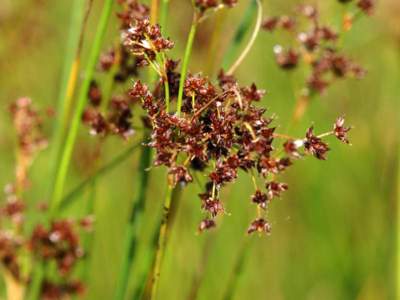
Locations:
{"points": [[135, 224], [82, 99], [243, 29]]}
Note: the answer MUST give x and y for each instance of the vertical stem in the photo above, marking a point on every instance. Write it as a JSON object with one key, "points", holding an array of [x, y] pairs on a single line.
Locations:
{"points": [[250, 44], [69, 76], [82, 98], [154, 11], [161, 245], [185, 62], [135, 224], [163, 15], [240, 33]]}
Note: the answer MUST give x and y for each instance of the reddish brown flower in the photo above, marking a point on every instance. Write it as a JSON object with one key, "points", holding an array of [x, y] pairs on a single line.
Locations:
{"points": [[259, 225], [274, 189], [340, 130], [260, 198], [314, 145]]}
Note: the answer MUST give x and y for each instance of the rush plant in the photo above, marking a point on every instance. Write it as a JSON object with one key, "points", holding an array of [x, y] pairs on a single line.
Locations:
{"points": [[188, 123]]}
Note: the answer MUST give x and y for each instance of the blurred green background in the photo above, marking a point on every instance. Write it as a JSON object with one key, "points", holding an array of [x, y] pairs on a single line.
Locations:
{"points": [[334, 231]]}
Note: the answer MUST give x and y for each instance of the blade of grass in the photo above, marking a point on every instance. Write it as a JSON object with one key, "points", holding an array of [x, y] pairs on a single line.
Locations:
{"points": [[185, 62], [82, 99], [161, 236], [243, 29], [71, 196], [62, 170], [250, 44], [79, 18], [135, 224]]}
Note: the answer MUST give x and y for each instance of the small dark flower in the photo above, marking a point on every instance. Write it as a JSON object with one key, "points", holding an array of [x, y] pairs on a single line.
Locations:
{"points": [[206, 224], [259, 225], [291, 147], [341, 131], [315, 145], [287, 23], [274, 189], [213, 206], [270, 23], [286, 59], [367, 6], [180, 174], [107, 60], [260, 198], [94, 93]]}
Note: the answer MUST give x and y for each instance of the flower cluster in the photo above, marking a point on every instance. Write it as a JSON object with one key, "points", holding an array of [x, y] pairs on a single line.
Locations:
{"points": [[316, 45], [30, 139], [366, 6], [220, 132], [59, 243], [203, 5]]}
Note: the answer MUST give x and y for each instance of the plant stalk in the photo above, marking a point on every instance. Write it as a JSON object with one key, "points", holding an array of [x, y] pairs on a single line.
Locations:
{"points": [[162, 242], [185, 62], [70, 73], [82, 99], [135, 224]]}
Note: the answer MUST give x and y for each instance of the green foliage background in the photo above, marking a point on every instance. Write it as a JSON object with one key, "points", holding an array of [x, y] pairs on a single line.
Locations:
{"points": [[334, 232]]}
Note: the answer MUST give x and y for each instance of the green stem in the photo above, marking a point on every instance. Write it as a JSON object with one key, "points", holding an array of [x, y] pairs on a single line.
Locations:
{"points": [[251, 42], [163, 15], [68, 78], [134, 225], [36, 283], [185, 62], [162, 242], [244, 27], [82, 99]]}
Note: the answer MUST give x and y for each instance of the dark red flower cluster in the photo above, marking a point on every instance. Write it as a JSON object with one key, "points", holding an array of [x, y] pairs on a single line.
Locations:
{"points": [[117, 120], [131, 10], [366, 6], [145, 41], [28, 125], [220, 132], [10, 246], [316, 46], [60, 243], [203, 5], [53, 291]]}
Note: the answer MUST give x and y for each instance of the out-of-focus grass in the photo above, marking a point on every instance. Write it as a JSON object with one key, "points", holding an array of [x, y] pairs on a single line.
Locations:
{"points": [[334, 232]]}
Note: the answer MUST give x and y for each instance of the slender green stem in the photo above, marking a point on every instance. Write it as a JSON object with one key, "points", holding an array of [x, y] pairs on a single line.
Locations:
{"points": [[135, 224], [250, 44], [161, 245], [71, 196], [163, 15], [69, 77], [185, 62], [82, 98], [244, 27], [36, 283]]}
